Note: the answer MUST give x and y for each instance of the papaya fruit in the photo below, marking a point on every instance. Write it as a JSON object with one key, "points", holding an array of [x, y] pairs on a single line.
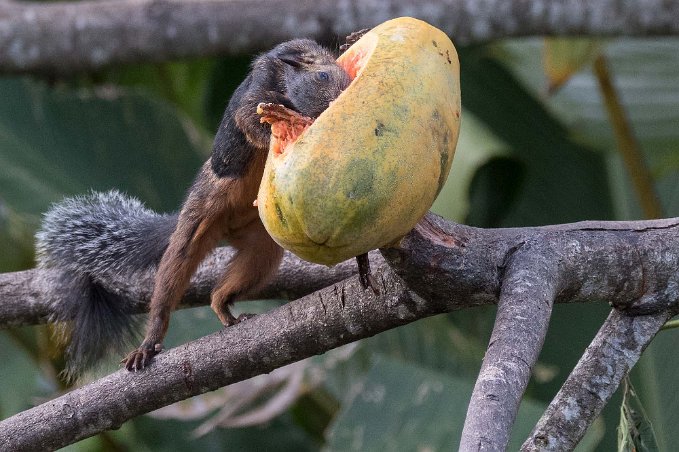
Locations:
{"points": [[370, 166]]}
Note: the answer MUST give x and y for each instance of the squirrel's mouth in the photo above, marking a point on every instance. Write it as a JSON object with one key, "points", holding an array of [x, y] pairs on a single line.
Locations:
{"points": [[286, 124]]}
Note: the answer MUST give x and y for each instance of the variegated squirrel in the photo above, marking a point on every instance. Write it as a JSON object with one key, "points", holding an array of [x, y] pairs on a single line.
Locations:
{"points": [[100, 234]]}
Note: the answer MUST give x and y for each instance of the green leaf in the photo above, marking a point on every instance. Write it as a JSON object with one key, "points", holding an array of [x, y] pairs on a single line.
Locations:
{"points": [[476, 147], [180, 83], [655, 382], [55, 142], [401, 406], [147, 434], [223, 80], [562, 180], [564, 57], [438, 343], [494, 190], [547, 177], [635, 432], [21, 381], [200, 88], [645, 74], [16, 239]]}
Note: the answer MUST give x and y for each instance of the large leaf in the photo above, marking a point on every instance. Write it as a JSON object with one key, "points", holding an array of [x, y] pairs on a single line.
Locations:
{"points": [[476, 147], [558, 179], [562, 180], [453, 345], [564, 57], [16, 239], [646, 76], [56, 142], [179, 82], [149, 435], [656, 386], [59, 141], [225, 77], [200, 88], [635, 432], [21, 381], [401, 406]]}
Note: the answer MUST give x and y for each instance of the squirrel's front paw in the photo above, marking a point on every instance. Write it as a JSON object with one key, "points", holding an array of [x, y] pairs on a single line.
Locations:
{"points": [[141, 357]]}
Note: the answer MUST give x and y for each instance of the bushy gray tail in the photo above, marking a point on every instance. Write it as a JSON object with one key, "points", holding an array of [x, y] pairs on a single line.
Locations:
{"points": [[91, 239]]}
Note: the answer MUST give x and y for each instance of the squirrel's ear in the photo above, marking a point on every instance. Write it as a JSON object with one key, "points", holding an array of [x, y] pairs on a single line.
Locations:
{"points": [[295, 58]]}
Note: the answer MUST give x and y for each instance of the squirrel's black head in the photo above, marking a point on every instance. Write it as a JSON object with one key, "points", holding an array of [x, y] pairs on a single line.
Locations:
{"points": [[312, 78]]}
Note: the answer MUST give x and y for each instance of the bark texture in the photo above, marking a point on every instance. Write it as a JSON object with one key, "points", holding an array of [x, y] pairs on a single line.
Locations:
{"points": [[71, 37], [28, 297], [439, 267], [612, 354]]}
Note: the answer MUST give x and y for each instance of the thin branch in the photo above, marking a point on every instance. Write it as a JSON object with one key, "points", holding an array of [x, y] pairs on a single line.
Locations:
{"points": [[670, 325], [612, 354], [68, 37], [529, 285]]}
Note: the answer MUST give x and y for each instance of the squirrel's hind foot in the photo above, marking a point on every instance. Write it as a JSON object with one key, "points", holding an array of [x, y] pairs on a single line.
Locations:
{"points": [[141, 357]]}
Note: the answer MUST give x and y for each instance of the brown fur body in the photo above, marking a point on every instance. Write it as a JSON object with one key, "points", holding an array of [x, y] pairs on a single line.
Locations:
{"points": [[298, 74]]}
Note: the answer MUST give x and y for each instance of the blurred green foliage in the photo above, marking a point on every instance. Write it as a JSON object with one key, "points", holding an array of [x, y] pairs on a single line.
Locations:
{"points": [[524, 158]]}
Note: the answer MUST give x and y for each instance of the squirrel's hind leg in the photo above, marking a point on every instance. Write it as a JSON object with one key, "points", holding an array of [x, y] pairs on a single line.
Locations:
{"points": [[256, 260], [198, 231]]}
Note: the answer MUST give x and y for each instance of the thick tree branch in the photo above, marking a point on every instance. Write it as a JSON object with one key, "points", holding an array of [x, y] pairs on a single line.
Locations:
{"points": [[631, 264], [625, 263], [29, 297], [614, 351], [529, 285], [311, 325], [70, 37]]}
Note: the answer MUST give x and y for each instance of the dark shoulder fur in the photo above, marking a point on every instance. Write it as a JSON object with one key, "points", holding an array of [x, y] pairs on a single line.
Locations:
{"points": [[300, 74]]}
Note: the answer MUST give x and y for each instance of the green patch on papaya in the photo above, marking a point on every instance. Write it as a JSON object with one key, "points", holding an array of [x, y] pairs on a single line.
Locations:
{"points": [[280, 215], [361, 178]]}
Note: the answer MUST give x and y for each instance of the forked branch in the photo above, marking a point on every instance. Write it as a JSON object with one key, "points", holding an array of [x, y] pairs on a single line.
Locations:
{"points": [[609, 358], [438, 267]]}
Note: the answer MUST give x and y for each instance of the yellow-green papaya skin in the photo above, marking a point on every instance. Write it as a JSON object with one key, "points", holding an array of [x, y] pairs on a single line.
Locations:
{"points": [[371, 165]]}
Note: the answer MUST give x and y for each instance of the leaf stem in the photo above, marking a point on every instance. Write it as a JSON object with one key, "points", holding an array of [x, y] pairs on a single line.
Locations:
{"points": [[670, 325], [628, 146]]}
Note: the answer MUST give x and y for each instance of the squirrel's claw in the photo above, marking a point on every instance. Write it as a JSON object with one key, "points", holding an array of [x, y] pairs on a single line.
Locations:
{"points": [[352, 38], [141, 357], [245, 316]]}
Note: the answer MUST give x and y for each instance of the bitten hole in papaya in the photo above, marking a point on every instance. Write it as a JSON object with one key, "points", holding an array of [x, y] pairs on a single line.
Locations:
{"points": [[355, 58], [287, 125]]}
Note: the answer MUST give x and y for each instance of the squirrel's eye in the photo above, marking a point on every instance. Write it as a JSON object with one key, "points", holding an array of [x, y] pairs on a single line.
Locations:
{"points": [[322, 76]]}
